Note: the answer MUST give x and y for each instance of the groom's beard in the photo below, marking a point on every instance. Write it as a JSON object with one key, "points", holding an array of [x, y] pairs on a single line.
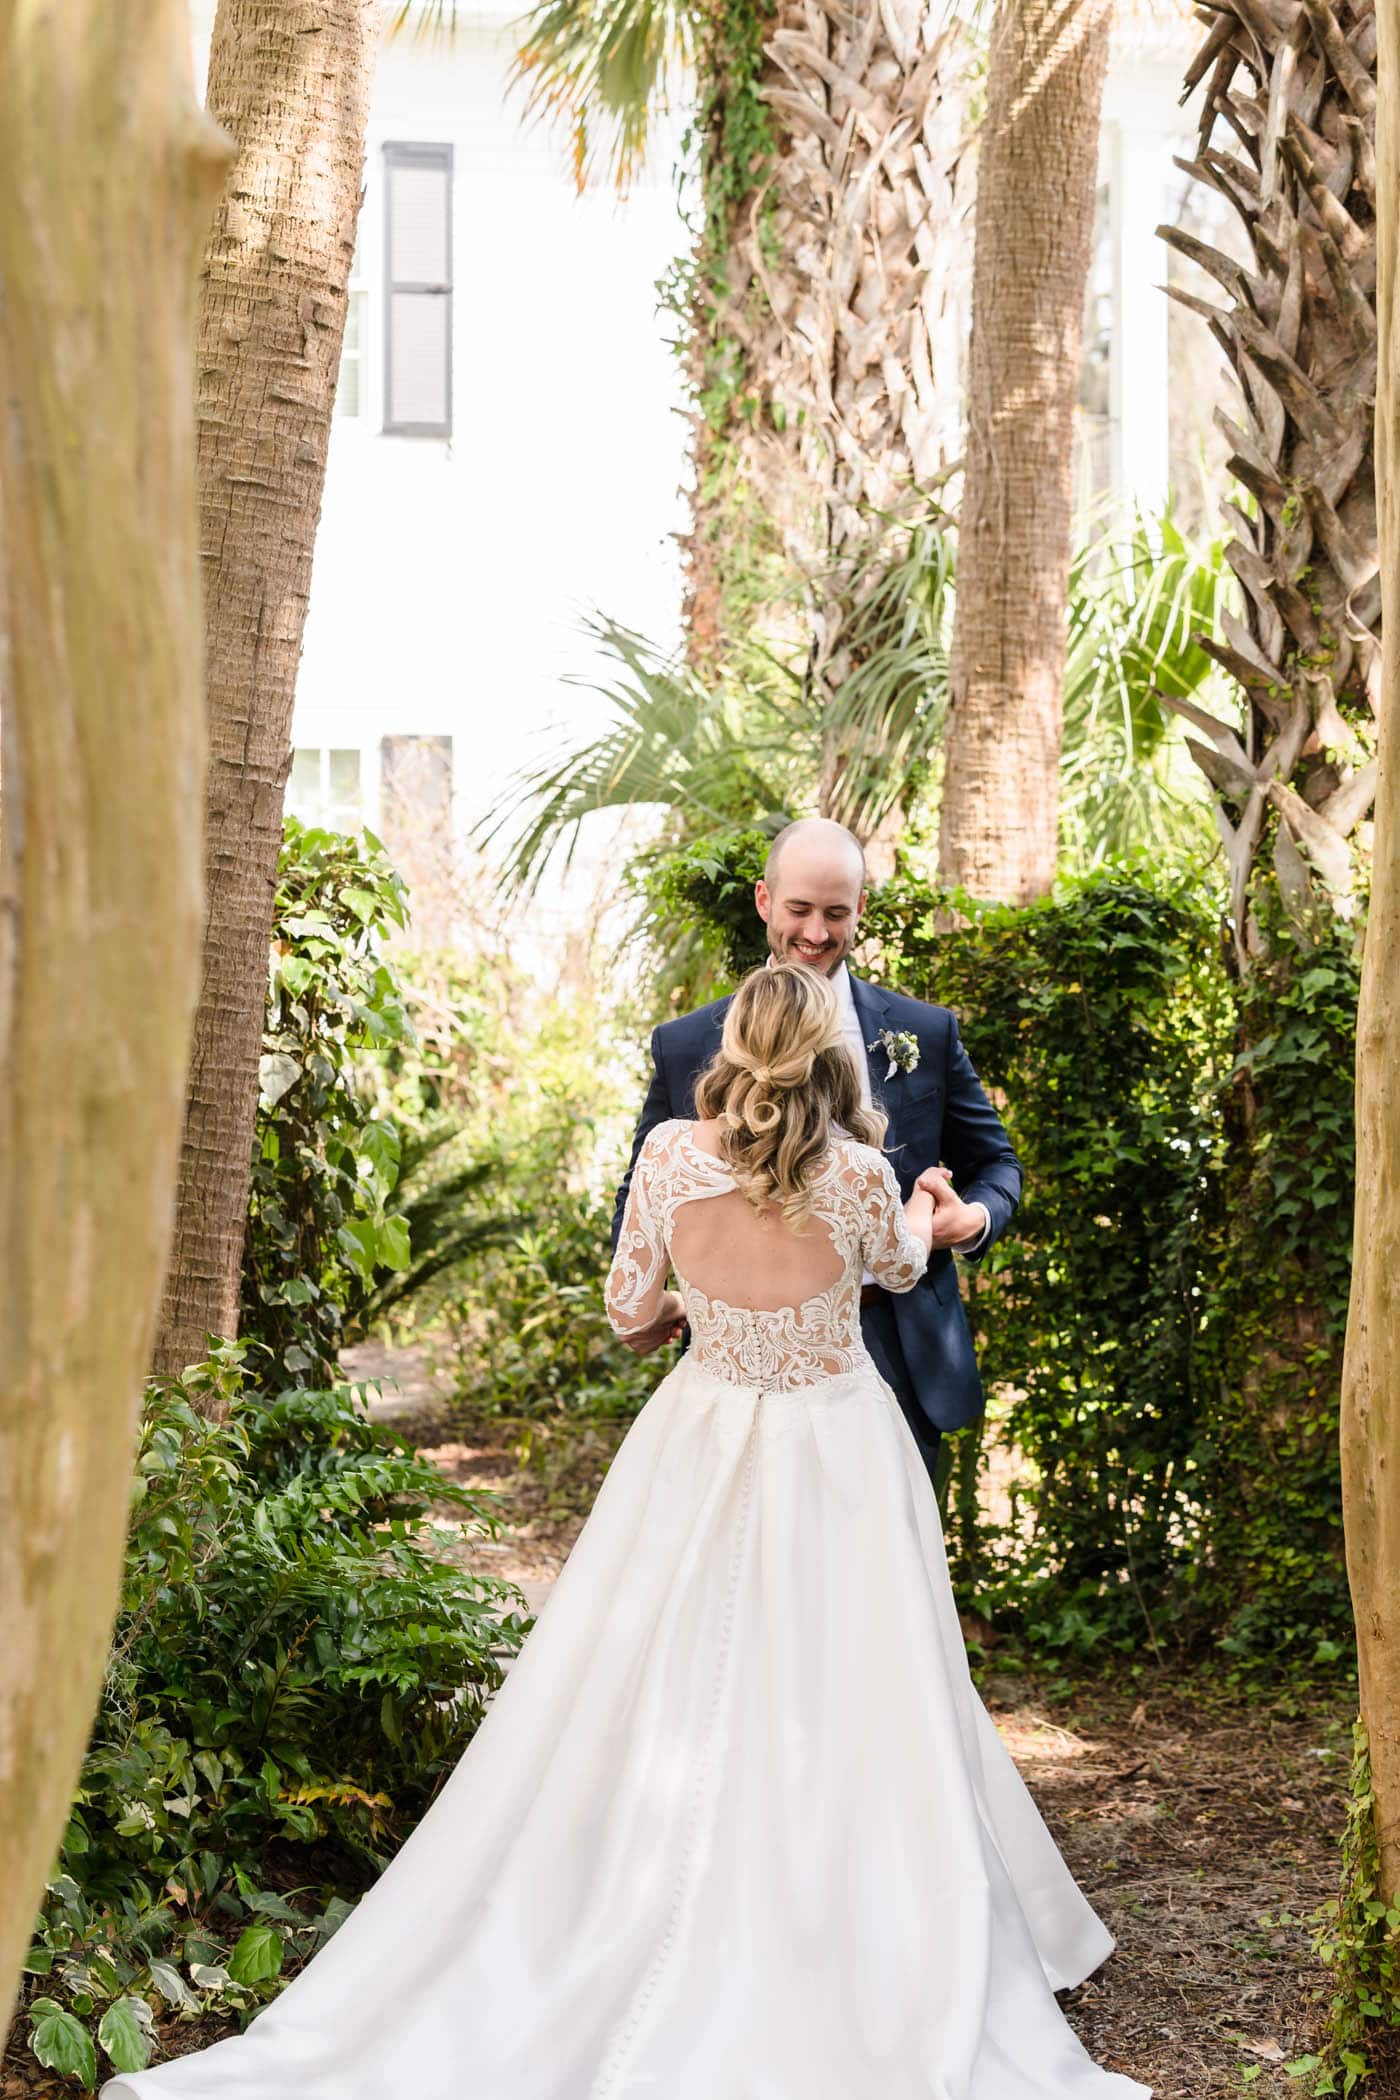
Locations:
{"points": [[826, 964]]}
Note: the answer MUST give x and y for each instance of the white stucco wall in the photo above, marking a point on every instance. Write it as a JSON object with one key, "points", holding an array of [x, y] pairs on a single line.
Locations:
{"points": [[450, 576]]}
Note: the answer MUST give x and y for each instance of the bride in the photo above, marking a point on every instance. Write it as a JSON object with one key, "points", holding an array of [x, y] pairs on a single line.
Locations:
{"points": [[737, 1826]]}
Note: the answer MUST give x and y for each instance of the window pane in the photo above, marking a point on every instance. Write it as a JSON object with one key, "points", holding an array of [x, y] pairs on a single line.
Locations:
{"points": [[418, 225], [349, 396], [418, 358], [304, 787], [345, 776], [347, 393]]}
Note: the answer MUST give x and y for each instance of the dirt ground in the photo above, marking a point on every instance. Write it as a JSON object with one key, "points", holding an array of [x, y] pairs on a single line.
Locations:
{"points": [[1202, 1827]]}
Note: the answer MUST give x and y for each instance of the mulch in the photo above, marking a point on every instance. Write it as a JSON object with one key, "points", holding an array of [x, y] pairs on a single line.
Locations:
{"points": [[1203, 1827]]}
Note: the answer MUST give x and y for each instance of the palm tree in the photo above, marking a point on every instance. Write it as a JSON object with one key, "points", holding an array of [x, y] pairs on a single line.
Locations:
{"points": [[1288, 138], [1371, 1381], [845, 279], [823, 303], [999, 818], [107, 175], [707, 760], [290, 80]]}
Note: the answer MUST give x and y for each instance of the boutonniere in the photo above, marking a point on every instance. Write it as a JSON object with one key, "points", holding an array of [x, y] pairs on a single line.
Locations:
{"points": [[900, 1047]]}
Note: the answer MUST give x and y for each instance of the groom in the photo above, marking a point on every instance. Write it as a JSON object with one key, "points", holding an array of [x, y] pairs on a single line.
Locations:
{"points": [[811, 897]]}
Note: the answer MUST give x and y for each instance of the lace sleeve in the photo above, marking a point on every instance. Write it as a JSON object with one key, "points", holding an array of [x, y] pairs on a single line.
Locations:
{"points": [[892, 1254], [641, 1261]]}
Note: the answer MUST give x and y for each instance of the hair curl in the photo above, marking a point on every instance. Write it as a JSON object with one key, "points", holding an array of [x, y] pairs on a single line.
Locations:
{"points": [[782, 1077]]}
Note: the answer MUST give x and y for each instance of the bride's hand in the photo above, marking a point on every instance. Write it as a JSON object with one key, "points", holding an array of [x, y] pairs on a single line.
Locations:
{"points": [[954, 1222], [667, 1324]]}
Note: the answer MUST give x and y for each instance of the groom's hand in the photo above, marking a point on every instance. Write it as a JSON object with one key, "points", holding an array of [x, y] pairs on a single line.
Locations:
{"points": [[670, 1319], [955, 1223]]}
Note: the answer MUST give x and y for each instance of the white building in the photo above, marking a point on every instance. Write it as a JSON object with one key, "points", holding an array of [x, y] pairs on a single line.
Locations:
{"points": [[508, 453]]}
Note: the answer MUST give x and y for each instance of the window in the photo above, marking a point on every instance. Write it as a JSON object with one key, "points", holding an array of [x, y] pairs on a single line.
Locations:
{"points": [[324, 788], [418, 290], [415, 822], [352, 395], [1093, 420]]}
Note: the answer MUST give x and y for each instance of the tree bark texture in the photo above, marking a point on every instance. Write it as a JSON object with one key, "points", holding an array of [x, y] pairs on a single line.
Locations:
{"points": [[108, 170], [1288, 137], [1037, 174], [842, 315], [1370, 1428], [290, 80]]}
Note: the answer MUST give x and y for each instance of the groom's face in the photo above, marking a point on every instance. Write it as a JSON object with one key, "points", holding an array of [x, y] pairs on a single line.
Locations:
{"points": [[812, 908]]}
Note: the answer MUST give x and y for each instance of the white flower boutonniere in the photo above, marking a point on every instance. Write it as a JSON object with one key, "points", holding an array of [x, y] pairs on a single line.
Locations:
{"points": [[900, 1047]]}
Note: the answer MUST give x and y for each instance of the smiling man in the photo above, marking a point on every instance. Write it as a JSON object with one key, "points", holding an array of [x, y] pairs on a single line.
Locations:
{"points": [[943, 1131]]}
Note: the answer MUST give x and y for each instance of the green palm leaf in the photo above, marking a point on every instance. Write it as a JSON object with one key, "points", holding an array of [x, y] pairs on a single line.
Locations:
{"points": [[674, 743]]}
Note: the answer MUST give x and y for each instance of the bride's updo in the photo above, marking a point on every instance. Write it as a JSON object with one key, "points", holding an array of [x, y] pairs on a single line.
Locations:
{"points": [[781, 1078]]}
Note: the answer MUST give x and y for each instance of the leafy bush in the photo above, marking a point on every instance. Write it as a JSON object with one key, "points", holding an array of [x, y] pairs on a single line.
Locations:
{"points": [[1160, 1331], [321, 1226], [532, 1338], [1272, 1358], [297, 1663], [543, 1098], [362, 1190], [1102, 1020]]}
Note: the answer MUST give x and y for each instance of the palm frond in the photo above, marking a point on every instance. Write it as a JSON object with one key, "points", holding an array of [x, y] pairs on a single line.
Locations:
{"points": [[674, 743], [602, 69], [1135, 610], [886, 717]]}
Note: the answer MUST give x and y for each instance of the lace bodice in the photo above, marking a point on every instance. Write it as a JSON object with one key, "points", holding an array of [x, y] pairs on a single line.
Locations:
{"points": [[857, 1223]]}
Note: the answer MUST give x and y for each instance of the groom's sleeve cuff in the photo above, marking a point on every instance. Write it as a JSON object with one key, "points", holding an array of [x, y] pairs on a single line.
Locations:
{"points": [[975, 1246]]}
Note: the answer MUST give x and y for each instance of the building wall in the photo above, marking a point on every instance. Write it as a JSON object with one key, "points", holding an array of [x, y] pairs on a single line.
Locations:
{"points": [[451, 575]]}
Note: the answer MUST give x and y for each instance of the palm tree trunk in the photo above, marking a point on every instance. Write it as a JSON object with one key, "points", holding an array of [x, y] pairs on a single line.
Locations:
{"points": [[290, 79], [1287, 136], [1370, 1432], [836, 329], [107, 174], [1036, 181]]}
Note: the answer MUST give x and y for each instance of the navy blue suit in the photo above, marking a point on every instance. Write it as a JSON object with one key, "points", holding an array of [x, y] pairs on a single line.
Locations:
{"points": [[938, 1115]]}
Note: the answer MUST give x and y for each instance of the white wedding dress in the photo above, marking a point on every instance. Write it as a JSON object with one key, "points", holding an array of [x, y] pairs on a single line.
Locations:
{"points": [[737, 1826]]}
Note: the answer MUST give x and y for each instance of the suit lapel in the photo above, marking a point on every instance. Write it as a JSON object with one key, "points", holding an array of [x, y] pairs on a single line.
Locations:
{"points": [[871, 1007]]}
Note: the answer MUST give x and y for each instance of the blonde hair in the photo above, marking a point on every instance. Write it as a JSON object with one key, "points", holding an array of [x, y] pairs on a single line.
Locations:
{"points": [[781, 1078]]}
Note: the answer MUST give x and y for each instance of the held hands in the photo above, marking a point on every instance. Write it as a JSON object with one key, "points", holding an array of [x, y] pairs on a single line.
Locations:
{"points": [[955, 1223], [669, 1320]]}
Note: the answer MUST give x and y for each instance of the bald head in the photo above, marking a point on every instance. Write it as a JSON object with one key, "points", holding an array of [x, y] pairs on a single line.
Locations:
{"points": [[819, 840], [812, 893]]}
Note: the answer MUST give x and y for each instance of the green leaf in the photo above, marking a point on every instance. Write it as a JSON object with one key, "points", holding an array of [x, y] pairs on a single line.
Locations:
{"points": [[127, 2033], [358, 1240], [171, 1984], [257, 1956], [62, 2043], [378, 1143], [363, 903], [395, 1251], [277, 1075]]}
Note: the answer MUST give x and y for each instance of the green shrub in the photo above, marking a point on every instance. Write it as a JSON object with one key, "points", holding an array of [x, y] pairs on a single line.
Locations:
{"points": [[1160, 1330], [543, 1103], [298, 1662], [322, 1226]]}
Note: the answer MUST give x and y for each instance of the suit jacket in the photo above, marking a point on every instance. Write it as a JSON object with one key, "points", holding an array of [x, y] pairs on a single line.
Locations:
{"points": [[939, 1115]]}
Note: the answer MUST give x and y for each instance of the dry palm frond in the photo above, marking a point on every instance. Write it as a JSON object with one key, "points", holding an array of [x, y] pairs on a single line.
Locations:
{"points": [[1288, 137]]}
